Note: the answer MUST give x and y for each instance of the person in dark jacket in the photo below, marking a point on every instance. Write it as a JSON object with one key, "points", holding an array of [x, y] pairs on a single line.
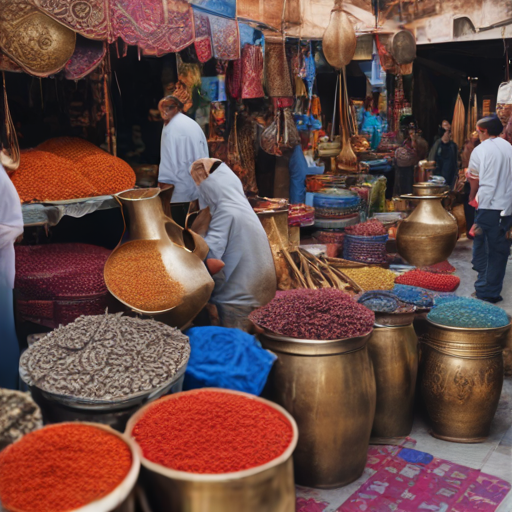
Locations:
{"points": [[446, 158]]}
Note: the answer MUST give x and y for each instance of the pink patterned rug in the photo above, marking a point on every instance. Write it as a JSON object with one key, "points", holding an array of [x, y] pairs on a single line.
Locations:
{"points": [[407, 480]]}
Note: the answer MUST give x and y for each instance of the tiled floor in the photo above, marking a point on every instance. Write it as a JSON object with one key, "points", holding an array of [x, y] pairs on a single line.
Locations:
{"points": [[493, 456]]}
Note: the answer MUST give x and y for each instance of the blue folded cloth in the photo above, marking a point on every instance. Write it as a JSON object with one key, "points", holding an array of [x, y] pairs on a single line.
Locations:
{"points": [[227, 358]]}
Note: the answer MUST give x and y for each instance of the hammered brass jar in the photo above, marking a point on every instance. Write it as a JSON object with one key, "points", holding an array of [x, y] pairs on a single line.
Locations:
{"points": [[266, 488], [461, 376], [329, 388], [429, 235], [394, 354], [182, 251]]}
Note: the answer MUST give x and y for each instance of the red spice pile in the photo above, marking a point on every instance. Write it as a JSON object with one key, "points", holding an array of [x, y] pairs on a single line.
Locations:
{"points": [[429, 280], [70, 168], [53, 271], [323, 314], [62, 468], [212, 432], [441, 268], [372, 227]]}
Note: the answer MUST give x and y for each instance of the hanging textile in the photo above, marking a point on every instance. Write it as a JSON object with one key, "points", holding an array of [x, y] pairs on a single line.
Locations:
{"points": [[225, 8], [277, 74], [225, 38], [88, 55], [203, 42], [247, 34], [234, 79], [88, 18], [252, 72], [241, 157], [34, 41], [157, 27]]}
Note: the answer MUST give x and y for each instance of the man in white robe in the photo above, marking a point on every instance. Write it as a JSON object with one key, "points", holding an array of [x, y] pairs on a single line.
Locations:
{"points": [[183, 142], [11, 227]]}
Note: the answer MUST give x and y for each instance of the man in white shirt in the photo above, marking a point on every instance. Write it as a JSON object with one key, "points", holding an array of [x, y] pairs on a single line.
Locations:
{"points": [[490, 168], [183, 142]]}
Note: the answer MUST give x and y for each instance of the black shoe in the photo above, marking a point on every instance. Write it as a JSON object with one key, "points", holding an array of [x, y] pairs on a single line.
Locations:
{"points": [[493, 300]]}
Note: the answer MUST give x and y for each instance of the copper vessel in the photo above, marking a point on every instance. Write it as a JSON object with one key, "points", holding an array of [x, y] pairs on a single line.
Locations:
{"points": [[34, 41], [429, 235], [329, 388], [461, 376], [394, 353], [268, 488], [182, 251]]}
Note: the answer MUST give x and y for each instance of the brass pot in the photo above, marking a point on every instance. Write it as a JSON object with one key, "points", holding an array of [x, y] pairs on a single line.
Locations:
{"points": [[329, 388], [461, 376], [429, 235], [182, 251], [394, 354], [429, 189], [275, 224], [268, 488]]}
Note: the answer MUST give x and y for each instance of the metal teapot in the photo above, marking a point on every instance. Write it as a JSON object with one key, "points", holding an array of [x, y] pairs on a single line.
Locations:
{"points": [[182, 250], [429, 235]]}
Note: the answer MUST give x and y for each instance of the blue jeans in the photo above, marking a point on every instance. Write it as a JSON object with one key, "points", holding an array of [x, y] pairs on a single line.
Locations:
{"points": [[9, 348], [491, 250]]}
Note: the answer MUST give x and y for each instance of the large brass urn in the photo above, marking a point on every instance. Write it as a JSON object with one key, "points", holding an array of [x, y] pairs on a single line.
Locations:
{"points": [[429, 235], [461, 377], [182, 251]]}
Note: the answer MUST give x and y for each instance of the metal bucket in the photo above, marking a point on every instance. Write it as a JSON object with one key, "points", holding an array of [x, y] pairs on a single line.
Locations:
{"points": [[329, 388], [121, 499], [394, 353], [57, 408], [268, 488], [461, 376]]}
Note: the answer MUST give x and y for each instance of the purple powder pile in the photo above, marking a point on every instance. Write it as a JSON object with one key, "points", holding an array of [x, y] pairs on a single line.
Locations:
{"points": [[324, 314]]}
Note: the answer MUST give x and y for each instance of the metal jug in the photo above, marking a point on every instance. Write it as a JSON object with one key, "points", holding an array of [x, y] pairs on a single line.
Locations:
{"points": [[182, 250]]}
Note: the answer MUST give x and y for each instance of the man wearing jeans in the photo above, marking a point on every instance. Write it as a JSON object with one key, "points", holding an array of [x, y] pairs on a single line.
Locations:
{"points": [[490, 173]]}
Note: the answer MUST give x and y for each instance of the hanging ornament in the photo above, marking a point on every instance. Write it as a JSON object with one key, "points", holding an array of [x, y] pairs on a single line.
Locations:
{"points": [[339, 41]]}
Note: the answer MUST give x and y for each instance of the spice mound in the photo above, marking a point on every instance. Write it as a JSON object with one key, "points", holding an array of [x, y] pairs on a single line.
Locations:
{"points": [[62, 468], [105, 357], [429, 280], [371, 278], [19, 415], [469, 313], [70, 168], [136, 275], [414, 295], [60, 270], [212, 432], [323, 314], [371, 227]]}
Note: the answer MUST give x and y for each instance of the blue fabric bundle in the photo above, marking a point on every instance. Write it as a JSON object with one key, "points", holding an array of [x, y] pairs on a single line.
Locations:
{"points": [[227, 358], [298, 168]]}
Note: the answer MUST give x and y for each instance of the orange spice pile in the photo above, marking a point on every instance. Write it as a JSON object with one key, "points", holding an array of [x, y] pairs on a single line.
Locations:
{"points": [[70, 168], [136, 275], [62, 468]]}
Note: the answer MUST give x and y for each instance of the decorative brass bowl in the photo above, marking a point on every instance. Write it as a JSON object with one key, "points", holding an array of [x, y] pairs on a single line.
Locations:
{"points": [[36, 42]]}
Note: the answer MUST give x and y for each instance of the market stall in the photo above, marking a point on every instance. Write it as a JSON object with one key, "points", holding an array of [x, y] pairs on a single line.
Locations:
{"points": [[323, 179]]}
